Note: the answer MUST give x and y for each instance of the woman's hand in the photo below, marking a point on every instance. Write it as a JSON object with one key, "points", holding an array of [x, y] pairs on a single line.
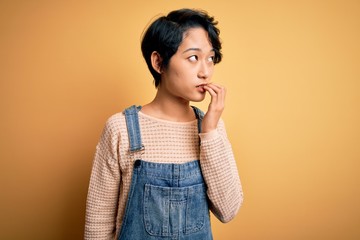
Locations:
{"points": [[216, 107]]}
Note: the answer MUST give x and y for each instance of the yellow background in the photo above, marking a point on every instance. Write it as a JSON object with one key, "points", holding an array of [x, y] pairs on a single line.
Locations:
{"points": [[292, 69]]}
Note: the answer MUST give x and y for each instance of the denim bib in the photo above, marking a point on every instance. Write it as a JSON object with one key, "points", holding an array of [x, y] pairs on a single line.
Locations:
{"points": [[166, 201]]}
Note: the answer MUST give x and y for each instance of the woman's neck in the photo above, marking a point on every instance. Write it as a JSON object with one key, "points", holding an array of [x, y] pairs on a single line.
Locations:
{"points": [[170, 109]]}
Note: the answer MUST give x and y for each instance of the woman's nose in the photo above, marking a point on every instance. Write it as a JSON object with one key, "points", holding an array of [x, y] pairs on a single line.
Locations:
{"points": [[204, 71]]}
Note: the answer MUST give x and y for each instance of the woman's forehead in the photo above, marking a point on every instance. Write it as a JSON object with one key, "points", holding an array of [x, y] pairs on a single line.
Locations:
{"points": [[196, 39]]}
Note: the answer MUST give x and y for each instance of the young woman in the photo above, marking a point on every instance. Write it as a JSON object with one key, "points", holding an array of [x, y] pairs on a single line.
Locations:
{"points": [[160, 168]]}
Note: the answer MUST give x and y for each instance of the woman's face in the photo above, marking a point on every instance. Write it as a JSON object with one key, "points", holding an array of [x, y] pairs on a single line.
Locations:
{"points": [[190, 67]]}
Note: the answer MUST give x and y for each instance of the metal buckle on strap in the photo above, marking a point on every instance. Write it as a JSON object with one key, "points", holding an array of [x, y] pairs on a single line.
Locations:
{"points": [[140, 151]]}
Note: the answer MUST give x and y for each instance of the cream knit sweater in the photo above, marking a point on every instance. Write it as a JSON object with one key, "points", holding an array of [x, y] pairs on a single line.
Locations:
{"points": [[165, 142]]}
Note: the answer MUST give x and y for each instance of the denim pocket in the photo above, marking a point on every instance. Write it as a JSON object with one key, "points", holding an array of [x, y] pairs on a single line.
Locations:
{"points": [[169, 210]]}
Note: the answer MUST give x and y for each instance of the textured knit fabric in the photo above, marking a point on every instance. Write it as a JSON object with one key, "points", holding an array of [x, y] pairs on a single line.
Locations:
{"points": [[165, 142]]}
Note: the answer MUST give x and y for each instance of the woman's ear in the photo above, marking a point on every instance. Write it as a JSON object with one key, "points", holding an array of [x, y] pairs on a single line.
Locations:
{"points": [[156, 61]]}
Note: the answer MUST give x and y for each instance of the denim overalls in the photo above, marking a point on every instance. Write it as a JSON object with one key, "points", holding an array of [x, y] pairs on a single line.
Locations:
{"points": [[166, 201]]}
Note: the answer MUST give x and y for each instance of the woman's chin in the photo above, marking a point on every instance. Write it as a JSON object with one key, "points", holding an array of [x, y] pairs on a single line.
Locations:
{"points": [[198, 98]]}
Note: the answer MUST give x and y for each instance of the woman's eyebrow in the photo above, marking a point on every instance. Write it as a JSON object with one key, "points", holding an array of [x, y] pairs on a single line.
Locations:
{"points": [[196, 49]]}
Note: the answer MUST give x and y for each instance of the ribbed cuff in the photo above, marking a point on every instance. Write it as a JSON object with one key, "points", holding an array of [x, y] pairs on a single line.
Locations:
{"points": [[209, 135]]}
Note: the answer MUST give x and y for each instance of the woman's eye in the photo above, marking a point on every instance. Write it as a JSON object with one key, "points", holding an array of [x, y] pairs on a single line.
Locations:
{"points": [[211, 59], [193, 58]]}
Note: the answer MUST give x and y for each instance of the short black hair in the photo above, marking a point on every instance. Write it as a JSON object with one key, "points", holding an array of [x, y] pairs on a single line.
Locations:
{"points": [[166, 33]]}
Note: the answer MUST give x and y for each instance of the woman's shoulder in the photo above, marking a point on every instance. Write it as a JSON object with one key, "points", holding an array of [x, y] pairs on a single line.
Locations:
{"points": [[115, 118], [115, 122]]}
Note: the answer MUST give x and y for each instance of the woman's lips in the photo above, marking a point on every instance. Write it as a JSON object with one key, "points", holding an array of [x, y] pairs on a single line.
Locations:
{"points": [[201, 87]]}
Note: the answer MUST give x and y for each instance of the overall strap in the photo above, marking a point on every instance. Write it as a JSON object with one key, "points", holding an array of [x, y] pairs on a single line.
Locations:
{"points": [[133, 128], [199, 115]]}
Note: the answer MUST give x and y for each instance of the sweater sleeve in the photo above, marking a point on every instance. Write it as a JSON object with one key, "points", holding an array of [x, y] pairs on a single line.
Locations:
{"points": [[103, 192], [220, 174]]}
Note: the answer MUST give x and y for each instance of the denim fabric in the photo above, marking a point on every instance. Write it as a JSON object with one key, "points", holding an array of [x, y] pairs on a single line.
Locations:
{"points": [[199, 115], [133, 128], [166, 201]]}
